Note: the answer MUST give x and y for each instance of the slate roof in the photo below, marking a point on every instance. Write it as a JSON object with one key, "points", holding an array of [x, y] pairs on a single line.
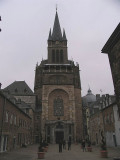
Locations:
{"points": [[12, 100], [64, 35], [23, 105], [114, 38], [56, 35], [18, 88], [50, 36]]}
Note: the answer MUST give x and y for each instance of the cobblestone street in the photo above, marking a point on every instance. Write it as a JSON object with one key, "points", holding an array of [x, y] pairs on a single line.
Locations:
{"points": [[30, 153]]}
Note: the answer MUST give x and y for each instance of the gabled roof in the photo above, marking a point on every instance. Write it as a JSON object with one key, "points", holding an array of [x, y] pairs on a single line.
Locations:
{"points": [[114, 38], [13, 102], [18, 88]]}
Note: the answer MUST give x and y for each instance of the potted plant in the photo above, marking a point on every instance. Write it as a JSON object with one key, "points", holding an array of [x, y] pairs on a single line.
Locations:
{"points": [[89, 148], [40, 152], [104, 153], [45, 146]]}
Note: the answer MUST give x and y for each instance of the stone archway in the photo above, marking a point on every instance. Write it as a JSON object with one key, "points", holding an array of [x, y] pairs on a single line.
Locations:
{"points": [[59, 132], [58, 105], [61, 98]]}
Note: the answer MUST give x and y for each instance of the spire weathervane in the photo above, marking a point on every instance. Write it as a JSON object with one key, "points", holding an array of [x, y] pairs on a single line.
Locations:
{"points": [[56, 7]]}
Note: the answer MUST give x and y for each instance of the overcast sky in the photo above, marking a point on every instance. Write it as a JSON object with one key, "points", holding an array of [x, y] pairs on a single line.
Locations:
{"points": [[88, 24]]}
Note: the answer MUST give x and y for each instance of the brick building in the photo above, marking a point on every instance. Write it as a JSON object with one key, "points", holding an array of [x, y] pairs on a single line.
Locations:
{"points": [[15, 125], [24, 98], [58, 88], [112, 48]]}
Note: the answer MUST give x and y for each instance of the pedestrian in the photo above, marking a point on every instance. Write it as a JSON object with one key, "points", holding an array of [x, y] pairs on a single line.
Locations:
{"points": [[64, 144], [60, 146], [83, 145], [69, 145]]}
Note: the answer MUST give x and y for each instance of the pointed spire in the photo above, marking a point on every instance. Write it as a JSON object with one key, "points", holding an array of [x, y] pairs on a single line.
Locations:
{"points": [[50, 37], [56, 34], [64, 35]]}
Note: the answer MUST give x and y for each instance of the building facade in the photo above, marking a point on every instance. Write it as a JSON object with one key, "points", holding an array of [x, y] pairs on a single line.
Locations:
{"points": [[105, 120], [58, 89], [112, 48], [24, 98], [15, 125], [86, 101]]}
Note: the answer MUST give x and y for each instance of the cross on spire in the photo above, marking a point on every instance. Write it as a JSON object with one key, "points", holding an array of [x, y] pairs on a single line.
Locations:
{"points": [[56, 7]]}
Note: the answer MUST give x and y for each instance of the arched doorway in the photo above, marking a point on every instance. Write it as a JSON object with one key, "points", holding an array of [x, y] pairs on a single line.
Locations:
{"points": [[59, 132]]}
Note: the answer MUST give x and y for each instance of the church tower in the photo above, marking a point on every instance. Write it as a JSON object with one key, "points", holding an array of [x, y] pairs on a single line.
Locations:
{"points": [[58, 88]]}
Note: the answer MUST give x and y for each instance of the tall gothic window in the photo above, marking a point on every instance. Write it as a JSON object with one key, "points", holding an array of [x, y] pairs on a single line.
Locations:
{"points": [[58, 107], [53, 56], [61, 56], [57, 56]]}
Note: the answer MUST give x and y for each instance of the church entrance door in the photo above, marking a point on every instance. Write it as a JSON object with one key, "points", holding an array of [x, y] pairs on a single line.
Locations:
{"points": [[59, 136]]}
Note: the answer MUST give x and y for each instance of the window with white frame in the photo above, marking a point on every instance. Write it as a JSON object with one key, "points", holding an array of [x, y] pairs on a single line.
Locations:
{"points": [[14, 120], [11, 119]]}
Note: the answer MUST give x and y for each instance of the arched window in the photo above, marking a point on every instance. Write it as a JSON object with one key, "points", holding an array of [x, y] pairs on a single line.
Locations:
{"points": [[61, 55], [58, 107], [53, 56], [57, 56]]}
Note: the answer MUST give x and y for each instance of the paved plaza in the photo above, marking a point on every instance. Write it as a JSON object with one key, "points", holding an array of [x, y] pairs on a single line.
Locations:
{"points": [[30, 153]]}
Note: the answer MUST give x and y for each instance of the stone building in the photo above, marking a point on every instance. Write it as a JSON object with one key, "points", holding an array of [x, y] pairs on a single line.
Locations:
{"points": [[86, 101], [15, 125], [58, 88], [104, 119], [112, 48]]}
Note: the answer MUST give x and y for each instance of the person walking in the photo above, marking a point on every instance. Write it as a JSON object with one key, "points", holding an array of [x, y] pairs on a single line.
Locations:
{"points": [[64, 144], [69, 145], [60, 146], [83, 145]]}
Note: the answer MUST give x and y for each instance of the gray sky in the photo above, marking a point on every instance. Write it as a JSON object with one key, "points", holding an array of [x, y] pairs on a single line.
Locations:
{"points": [[88, 24]]}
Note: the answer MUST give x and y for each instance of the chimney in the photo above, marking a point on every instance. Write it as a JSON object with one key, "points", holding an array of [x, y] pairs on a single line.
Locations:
{"points": [[0, 85], [97, 96]]}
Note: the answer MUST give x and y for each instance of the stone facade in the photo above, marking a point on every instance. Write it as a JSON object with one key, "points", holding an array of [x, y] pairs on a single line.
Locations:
{"points": [[112, 48], [58, 89], [117, 124], [105, 120]]}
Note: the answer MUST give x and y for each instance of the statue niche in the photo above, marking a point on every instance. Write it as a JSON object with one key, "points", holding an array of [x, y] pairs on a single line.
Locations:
{"points": [[58, 107]]}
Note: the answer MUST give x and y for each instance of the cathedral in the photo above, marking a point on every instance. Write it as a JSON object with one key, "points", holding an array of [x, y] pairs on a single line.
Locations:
{"points": [[58, 89]]}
